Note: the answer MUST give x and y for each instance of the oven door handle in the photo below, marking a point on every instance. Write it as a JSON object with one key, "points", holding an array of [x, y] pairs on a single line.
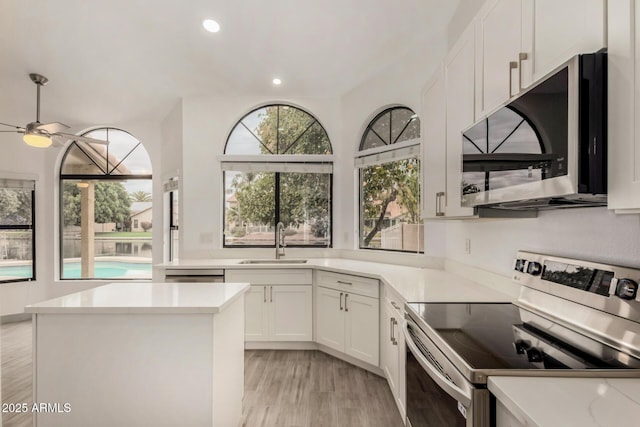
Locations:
{"points": [[446, 385]]}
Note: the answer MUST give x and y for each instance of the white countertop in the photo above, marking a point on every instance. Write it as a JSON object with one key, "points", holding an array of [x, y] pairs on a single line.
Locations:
{"points": [[157, 298], [584, 402], [412, 283]]}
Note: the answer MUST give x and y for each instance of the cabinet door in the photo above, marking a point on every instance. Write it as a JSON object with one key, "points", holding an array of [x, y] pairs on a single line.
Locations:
{"points": [[291, 313], [256, 319], [560, 30], [330, 318], [361, 327], [389, 347], [459, 85], [499, 33], [434, 143]]}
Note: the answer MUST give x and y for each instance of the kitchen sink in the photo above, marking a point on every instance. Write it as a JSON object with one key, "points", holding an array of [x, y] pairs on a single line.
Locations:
{"points": [[273, 261]]}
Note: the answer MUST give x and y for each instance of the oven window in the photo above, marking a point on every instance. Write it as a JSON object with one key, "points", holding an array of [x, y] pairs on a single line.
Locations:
{"points": [[428, 404]]}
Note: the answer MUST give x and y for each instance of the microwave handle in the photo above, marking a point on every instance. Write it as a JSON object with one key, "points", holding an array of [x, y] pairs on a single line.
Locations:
{"points": [[446, 385]]}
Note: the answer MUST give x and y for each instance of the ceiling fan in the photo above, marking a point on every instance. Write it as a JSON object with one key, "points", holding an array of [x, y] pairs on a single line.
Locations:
{"points": [[42, 135]]}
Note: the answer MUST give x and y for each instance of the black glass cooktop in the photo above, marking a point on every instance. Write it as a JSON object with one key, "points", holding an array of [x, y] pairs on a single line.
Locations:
{"points": [[499, 336]]}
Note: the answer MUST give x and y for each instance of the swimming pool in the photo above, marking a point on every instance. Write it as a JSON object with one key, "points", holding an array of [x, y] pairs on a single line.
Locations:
{"points": [[102, 270]]}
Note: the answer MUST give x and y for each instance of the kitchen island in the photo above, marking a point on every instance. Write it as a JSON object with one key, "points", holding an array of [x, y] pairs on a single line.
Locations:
{"points": [[140, 354]]}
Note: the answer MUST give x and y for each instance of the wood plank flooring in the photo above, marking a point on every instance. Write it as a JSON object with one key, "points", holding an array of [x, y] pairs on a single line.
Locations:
{"points": [[282, 388]]}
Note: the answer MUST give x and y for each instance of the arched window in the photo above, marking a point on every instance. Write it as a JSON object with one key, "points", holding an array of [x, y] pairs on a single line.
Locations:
{"points": [[277, 168], [105, 208], [389, 170]]}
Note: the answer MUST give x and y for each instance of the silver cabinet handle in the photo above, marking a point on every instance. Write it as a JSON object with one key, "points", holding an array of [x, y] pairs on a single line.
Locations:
{"points": [[512, 65], [341, 293], [345, 283], [264, 293], [270, 293], [391, 338], [521, 57], [394, 341], [345, 302], [439, 210]]}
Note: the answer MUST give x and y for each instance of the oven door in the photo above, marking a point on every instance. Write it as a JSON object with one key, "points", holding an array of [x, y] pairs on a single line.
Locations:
{"points": [[437, 394]]}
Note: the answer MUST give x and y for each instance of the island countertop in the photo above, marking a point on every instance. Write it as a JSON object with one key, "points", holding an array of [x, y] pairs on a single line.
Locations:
{"points": [[156, 298]]}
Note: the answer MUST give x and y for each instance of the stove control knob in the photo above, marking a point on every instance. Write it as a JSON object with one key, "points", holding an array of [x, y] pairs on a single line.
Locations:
{"points": [[521, 346], [520, 263], [534, 355], [534, 268], [627, 289]]}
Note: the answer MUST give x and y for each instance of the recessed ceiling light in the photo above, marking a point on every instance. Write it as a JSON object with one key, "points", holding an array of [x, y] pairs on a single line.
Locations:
{"points": [[211, 25], [276, 82]]}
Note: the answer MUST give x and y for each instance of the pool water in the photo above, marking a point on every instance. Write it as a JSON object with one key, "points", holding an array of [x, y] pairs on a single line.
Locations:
{"points": [[102, 270]]}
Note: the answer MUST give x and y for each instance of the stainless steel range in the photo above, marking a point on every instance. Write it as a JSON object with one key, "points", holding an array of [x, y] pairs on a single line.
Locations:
{"points": [[573, 318]]}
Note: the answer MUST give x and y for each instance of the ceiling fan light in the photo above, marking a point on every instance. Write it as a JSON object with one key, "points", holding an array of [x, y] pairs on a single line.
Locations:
{"points": [[37, 140]]}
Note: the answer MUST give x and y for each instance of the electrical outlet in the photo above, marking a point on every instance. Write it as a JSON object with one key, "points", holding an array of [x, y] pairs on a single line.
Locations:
{"points": [[467, 246]]}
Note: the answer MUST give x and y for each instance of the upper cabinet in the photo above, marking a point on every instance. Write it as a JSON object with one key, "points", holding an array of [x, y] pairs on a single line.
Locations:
{"points": [[520, 41], [624, 110], [447, 105]]}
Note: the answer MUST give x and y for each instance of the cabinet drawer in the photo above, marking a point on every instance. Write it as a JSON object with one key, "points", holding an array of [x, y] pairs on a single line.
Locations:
{"points": [[392, 298], [348, 283], [270, 276]]}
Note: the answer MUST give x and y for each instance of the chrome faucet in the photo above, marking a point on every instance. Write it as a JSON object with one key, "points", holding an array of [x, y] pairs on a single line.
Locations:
{"points": [[280, 244]]}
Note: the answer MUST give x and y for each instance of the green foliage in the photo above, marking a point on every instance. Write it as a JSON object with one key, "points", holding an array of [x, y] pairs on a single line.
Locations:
{"points": [[140, 196], [112, 203], [146, 225], [15, 206], [289, 130], [382, 184]]}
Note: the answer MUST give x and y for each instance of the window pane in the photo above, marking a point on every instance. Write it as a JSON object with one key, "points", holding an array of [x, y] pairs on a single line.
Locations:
{"points": [[313, 141], [304, 208], [99, 240], [242, 141], [249, 210], [83, 159], [15, 206], [403, 127], [263, 124], [16, 254], [382, 127], [292, 123], [372, 140], [390, 215]]}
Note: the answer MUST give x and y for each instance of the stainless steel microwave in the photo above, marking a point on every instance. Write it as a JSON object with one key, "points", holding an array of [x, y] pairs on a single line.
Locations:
{"points": [[547, 147]]}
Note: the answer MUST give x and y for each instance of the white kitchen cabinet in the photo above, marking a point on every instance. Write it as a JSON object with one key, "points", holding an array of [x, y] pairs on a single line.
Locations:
{"points": [[279, 306], [459, 74], [347, 315], [624, 107], [499, 43], [520, 41], [434, 146], [392, 347]]}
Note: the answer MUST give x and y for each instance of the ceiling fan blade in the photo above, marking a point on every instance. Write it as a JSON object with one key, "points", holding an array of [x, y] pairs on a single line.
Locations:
{"points": [[11, 131], [12, 126], [53, 127], [72, 137]]}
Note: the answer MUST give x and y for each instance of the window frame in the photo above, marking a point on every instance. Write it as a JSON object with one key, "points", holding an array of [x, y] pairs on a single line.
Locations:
{"points": [[62, 177], [32, 228], [271, 158], [393, 152]]}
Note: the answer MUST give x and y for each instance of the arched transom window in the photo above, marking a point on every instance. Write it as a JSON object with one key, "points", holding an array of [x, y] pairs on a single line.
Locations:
{"points": [[277, 168], [389, 171], [106, 208]]}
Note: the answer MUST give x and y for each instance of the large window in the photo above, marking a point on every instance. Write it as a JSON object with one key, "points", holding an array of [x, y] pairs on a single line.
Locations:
{"points": [[389, 172], [277, 168], [17, 231], [106, 208]]}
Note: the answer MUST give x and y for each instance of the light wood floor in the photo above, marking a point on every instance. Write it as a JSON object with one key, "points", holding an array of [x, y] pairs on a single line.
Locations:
{"points": [[282, 388]]}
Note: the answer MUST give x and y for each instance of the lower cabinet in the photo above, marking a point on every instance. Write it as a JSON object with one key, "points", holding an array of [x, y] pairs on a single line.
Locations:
{"points": [[279, 306], [392, 348], [279, 313], [347, 321]]}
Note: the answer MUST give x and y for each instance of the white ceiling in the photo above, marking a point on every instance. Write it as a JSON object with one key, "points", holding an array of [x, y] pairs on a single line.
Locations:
{"points": [[125, 60]]}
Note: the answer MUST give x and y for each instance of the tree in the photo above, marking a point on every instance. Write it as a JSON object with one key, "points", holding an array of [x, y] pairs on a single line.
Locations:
{"points": [[390, 182], [146, 225], [140, 196], [112, 203], [15, 206]]}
